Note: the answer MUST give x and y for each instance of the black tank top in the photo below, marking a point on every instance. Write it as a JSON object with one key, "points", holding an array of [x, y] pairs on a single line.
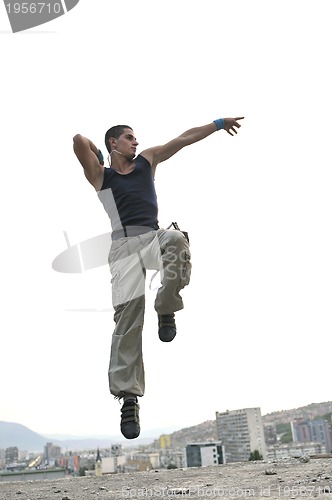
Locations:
{"points": [[130, 199]]}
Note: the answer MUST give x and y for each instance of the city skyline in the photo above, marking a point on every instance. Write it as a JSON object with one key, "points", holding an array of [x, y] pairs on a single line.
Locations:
{"points": [[302, 414], [240, 436]]}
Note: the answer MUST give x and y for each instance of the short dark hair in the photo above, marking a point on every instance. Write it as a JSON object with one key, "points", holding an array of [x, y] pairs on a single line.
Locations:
{"points": [[115, 132]]}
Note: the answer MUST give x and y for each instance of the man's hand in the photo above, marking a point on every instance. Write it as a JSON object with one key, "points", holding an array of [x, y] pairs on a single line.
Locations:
{"points": [[231, 124], [100, 157]]}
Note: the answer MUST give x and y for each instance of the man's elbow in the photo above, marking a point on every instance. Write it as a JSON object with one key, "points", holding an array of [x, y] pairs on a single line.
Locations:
{"points": [[80, 143], [77, 138]]}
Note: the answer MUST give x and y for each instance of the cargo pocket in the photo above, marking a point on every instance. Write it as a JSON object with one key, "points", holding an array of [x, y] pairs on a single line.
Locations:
{"points": [[185, 268], [117, 297]]}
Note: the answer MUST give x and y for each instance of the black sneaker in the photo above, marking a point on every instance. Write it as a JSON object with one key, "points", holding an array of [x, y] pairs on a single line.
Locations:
{"points": [[130, 427], [167, 327]]}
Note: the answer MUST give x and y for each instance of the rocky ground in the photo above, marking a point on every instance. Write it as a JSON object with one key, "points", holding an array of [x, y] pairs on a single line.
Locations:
{"points": [[291, 479]]}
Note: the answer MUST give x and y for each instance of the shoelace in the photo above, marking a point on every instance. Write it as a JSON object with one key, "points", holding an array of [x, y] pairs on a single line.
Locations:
{"points": [[166, 320], [130, 412]]}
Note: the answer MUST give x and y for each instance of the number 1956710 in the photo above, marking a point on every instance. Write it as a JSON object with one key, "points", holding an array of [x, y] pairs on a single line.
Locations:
{"points": [[33, 8]]}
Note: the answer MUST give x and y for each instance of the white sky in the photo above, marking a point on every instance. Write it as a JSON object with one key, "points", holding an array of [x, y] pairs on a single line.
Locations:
{"points": [[256, 328]]}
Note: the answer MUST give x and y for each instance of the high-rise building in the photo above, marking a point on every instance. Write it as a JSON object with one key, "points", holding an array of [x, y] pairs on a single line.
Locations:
{"points": [[315, 430], [241, 433], [270, 434], [11, 455], [51, 453]]}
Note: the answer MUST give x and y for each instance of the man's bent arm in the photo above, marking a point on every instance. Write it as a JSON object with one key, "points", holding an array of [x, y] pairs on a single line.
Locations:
{"points": [[88, 155]]}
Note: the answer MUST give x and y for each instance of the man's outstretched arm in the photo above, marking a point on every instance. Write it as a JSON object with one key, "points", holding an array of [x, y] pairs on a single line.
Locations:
{"points": [[91, 160], [158, 154]]}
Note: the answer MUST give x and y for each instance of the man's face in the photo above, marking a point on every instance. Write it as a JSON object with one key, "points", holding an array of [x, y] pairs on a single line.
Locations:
{"points": [[127, 144]]}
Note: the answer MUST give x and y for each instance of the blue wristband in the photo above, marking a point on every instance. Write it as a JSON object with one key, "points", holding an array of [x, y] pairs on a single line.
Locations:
{"points": [[100, 157], [220, 123]]}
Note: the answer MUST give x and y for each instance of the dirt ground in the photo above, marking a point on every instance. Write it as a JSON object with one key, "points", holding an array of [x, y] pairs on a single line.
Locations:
{"points": [[290, 479]]}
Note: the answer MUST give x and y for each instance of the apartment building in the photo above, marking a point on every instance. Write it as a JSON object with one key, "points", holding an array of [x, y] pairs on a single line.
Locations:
{"points": [[203, 454], [294, 450], [312, 430], [241, 433]]}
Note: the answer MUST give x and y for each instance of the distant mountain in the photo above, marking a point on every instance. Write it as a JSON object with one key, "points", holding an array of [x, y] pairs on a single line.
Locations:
{"points": [[312, 410], [12, 434], [206, 431]]}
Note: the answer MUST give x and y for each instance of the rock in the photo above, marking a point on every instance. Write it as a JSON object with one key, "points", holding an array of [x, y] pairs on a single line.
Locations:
{"points": [[270, 472]]}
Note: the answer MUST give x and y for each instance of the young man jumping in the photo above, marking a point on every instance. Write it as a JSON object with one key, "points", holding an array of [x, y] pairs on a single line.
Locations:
{"points": [[126, 189]]}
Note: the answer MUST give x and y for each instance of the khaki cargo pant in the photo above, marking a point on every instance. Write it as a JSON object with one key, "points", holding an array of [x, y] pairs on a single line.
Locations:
{"points": [[166, 251]]}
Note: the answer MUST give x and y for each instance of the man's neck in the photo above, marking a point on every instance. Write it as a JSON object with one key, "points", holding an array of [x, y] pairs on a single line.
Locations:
{"points": [[120, 163]]}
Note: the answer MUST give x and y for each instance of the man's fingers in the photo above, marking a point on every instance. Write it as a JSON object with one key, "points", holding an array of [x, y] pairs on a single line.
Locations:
{"points": [[238, 124], [231, 130]]}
